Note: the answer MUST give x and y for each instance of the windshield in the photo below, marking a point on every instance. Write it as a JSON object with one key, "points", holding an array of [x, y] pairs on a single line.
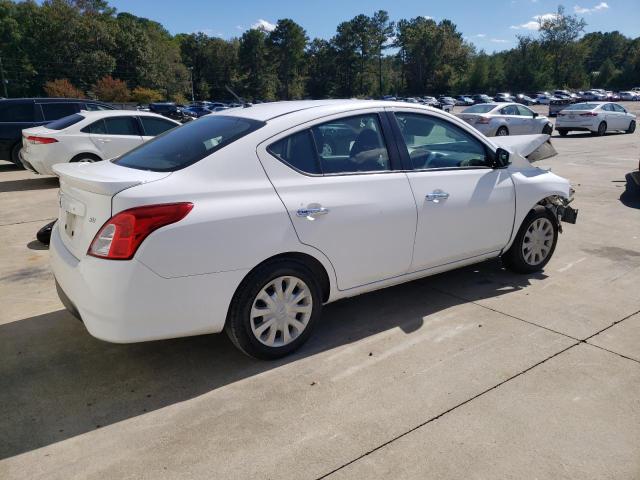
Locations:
{"points": [[64, 122], [180, 147], [480, 108], [582, 106]]}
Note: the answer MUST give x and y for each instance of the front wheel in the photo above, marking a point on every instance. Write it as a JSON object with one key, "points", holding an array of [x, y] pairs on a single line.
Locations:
{"points": [[274, 309], [534, 244], [548, 129], [632, 127]]}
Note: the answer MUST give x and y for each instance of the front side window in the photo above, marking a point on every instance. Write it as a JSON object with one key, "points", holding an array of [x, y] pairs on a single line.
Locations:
{"points": [[435, 143], [97, 128], [509, 110], [618, 108], [121, 126], [188, 144], [54, 111], [155, 126], [524, 111]]}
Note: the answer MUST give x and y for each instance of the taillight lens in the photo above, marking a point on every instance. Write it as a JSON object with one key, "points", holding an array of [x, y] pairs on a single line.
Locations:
{"points": [[589, 114], [40, 140], [120, 237], [483, 120]]}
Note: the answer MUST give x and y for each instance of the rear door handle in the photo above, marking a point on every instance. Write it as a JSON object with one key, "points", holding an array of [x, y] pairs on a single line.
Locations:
{"points": [[104, 140], [311, 213], [437, 196]]}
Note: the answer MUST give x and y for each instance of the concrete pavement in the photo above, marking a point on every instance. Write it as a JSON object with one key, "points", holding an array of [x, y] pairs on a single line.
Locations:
{"points": [[477, 373]]}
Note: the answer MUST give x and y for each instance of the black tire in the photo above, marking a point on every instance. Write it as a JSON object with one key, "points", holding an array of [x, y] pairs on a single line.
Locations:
{"points": [[238, 324], [15, 152], [602, 130], [514, 258], [547, 130], [85, 157], [632, 127], [563, 132], [502, 131]]}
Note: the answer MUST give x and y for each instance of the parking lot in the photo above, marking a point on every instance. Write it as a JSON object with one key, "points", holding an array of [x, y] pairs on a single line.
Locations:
{"points": [[476, 373]]}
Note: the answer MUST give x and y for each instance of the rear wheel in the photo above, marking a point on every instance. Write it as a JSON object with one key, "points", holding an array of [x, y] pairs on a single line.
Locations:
{"points": [[15, 155], [632, 127], [563, 132], [602, 129], [502, 132], [274, 309], [85, 158], [534, 244]]}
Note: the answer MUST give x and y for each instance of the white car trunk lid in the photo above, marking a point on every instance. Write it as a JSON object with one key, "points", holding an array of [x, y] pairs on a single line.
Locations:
{"points": [[86, 191]]}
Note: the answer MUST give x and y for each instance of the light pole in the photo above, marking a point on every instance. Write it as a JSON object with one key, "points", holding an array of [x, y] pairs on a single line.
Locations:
{"points": [[193, 99]]}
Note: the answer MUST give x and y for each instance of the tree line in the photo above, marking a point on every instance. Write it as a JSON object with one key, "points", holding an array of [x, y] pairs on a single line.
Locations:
{"points": [[87, 48]]}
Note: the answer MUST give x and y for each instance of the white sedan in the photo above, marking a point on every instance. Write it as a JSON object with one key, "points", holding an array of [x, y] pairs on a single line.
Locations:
{"points": [[500, 119], [595, 117], [250, 220], [89, 137]]}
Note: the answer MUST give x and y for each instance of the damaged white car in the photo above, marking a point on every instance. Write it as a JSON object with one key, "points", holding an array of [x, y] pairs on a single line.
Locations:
{"points": [[249, 220]]}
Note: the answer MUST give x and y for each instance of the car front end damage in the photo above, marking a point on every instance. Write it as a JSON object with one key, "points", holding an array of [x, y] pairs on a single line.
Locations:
{"points": [[561, 209]]}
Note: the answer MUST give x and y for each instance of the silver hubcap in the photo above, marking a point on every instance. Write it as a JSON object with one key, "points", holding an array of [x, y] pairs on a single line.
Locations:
{"points": [[502, 132], [281, 311], [537, 241]]}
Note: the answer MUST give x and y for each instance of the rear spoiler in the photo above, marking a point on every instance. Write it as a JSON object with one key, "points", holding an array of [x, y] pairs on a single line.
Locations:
{"points": [[532, 147], [104, 178]]}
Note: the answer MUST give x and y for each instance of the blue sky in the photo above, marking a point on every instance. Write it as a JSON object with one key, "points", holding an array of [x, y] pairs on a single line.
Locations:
{"points": [[489, 24]]}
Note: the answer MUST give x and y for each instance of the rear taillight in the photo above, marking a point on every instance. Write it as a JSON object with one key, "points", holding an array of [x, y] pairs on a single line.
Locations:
{"points": [[120, 237], [589, 114], [483, 120], [40, 140]]}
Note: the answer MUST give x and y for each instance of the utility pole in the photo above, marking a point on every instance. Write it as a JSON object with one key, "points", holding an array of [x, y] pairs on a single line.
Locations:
{"points": [[193, 98], [4, 81]]}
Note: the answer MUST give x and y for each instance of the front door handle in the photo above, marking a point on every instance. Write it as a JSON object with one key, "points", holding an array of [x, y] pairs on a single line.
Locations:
{"points": [[312, 212], [437, 196]]}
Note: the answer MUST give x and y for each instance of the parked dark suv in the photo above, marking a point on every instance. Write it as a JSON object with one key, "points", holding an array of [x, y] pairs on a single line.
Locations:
{"points": [[16, 114]]}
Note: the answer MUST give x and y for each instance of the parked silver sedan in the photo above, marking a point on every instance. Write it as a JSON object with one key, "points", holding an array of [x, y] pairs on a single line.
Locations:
{"points": [[498, 119]]}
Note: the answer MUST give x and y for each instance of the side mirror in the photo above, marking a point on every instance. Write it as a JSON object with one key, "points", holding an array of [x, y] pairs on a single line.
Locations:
{"points": [[535, 114], [501, 158]]}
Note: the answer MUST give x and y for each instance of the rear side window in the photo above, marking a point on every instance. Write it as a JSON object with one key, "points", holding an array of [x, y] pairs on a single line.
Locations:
{"points": [[480, 108], [582, 106], [435, 143], [64, 122], [54, 111], [121, 126], [16, 112], [509, 110], [188, 144], [298, 151], [97, 127], [155, 126]]}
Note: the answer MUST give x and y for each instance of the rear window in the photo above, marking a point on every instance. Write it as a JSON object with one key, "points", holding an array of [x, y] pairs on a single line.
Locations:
{"points": [[582, 106], [54, 111], [480, 108], [184, 146], [64, 122], [16, 112]]}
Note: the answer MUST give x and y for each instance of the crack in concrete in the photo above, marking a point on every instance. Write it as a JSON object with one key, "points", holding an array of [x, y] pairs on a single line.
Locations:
{"points": [[27, 221]]}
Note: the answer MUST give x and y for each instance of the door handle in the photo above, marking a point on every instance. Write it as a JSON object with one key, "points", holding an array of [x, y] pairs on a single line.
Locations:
{"points": [[437, 196], [104, 140], [311, 213]]}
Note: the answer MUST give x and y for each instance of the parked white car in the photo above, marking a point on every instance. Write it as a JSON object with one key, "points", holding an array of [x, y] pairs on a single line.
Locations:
{"points": [[595, 117], [250, 220], [500, 119], [89, 137], [629, 96], [544, 99], [594, 95]]}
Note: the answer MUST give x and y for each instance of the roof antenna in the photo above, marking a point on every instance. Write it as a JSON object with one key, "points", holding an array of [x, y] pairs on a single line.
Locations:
{"points": [[239, 99]]}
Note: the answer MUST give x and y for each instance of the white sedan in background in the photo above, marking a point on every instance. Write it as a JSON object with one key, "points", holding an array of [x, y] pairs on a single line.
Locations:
{"points": [[246, 221], [500, 119], [89, 137], [595, 117]]}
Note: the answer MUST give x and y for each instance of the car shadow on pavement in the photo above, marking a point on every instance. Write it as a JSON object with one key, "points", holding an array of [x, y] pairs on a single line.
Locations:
{"points": [[9, 167], [39, 183], [631, 195], [57, 382]]}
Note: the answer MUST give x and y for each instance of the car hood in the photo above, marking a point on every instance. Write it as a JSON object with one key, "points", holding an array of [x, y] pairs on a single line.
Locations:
{"points": [[526, 149]]}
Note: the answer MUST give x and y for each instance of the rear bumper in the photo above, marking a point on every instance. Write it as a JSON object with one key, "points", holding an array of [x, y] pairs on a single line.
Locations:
{"points": [[35, 165], [125, 301]]}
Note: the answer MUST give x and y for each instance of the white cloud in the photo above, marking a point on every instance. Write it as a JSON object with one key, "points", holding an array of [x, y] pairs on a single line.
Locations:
{"points": [[535, 23], [585, 10], [499, 40], [481, 35], [239, 27], [262, 24]]}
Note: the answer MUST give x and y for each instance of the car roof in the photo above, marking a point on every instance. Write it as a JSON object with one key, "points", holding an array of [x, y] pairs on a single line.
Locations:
{"points": [[52, 100], [118, 113], [268, 111]]}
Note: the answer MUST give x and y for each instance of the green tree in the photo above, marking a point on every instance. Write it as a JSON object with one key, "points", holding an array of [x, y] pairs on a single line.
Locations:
{"points": [[286, 45], [256, 78]]}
